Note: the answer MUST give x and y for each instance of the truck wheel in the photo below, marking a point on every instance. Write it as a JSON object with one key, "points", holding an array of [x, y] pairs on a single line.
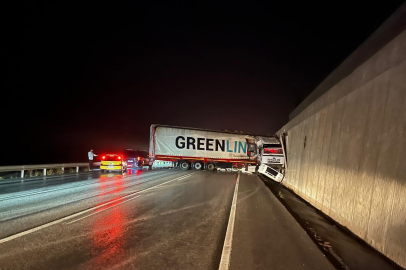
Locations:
{"points": [[184, 165], [198, 166], [211, 166]]}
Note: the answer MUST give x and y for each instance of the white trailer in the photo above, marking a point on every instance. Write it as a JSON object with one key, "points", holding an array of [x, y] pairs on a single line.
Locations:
{"points": [[198, 148]]}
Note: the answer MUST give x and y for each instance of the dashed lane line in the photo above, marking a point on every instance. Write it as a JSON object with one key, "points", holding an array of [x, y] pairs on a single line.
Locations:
{"points": [[12, 237], [70, 222]]}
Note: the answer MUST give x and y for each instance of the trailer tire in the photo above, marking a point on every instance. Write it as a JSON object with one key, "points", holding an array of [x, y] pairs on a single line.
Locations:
{"points": [[210, 167], [184, 165], [198, 165]]}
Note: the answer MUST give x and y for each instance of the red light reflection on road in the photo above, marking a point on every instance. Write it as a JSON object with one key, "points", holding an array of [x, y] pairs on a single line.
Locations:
{"points": [[137, 172], [108, 231], [108, 236], [113, 186]]}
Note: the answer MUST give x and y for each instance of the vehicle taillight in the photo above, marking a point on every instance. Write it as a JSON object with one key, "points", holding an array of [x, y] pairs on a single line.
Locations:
{"points": [[119, 157], [103, 157]]}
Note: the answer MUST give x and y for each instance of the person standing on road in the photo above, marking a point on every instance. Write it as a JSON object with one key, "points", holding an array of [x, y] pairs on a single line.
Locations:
{"points": [[91, 155]]}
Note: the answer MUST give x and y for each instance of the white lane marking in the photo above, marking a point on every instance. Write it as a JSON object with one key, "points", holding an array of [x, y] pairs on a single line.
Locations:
{"points": [[133, 198], [21, 194], [70, 222], [12, 237], [226, 253], [109, 188], [183, 177]]}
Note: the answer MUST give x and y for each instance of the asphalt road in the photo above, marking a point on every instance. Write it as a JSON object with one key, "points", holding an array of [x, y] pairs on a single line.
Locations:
{"points": [[164, 219]]}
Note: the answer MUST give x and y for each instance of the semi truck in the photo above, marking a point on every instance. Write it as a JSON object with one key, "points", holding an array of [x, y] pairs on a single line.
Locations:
{"points": [[199, 148]]}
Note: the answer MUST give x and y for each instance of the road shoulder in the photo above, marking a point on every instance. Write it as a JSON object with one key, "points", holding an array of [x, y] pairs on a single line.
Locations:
{"points": [[266, 236]]}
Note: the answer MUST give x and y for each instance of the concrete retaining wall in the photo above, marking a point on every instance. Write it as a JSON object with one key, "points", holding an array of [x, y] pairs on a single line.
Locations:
{"points": [[347, 151]]}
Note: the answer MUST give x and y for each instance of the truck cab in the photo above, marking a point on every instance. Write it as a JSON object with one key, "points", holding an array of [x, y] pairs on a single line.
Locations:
{"points": [[270, 156], [270, 152]]}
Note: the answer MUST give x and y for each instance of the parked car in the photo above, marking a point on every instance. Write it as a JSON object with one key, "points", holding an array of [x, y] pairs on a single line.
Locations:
{"points": [[112, 162], [136, 158]]}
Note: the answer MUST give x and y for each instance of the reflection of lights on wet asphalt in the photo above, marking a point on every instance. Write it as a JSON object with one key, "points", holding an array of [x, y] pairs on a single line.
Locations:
{"points": [[118, 186], [135, 171], [108, 228], [108, 236], [107, 180]]}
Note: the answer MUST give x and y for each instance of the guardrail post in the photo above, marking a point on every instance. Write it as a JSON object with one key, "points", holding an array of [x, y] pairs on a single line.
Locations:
{"points": [[77, 169], [45, 172], [22, 173]]}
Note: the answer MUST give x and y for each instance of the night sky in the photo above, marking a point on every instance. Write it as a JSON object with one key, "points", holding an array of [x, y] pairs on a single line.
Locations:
{"points": [[97, 75]]}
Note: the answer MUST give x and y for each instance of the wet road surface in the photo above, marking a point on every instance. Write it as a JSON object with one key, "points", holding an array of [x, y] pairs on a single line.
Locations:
{"points": [[164, 219]]}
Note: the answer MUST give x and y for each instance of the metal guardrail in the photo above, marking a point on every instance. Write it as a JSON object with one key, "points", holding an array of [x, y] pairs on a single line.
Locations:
{"points": [[44, 167]]}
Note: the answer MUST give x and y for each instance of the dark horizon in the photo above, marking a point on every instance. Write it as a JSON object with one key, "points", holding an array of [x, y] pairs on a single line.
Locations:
{"points": [[96, 77]]}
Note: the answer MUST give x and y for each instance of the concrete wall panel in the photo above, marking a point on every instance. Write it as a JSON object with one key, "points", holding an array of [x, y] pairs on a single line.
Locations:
{"points": [[370, 153], [384, 187], [332, 159], [308, 151], [353, 166], [396, 226], [357, 124], [303, 154], [298, 153], [320, 166], [343, 153], [314, 147], [326, 187]]}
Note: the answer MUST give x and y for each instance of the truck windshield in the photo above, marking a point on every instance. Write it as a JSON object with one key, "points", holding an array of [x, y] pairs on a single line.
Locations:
{"points": [[272, 149]]}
